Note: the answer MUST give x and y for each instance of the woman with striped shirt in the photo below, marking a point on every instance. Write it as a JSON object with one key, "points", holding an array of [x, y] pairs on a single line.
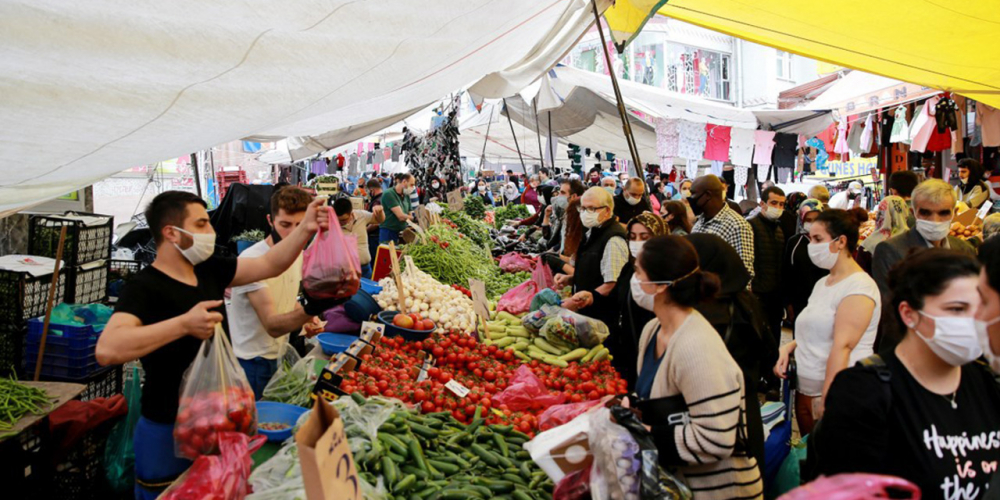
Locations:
{"points": [[682, 358]]}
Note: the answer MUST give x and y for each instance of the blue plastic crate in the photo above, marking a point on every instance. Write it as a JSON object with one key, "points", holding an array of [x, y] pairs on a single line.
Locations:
{"points": [[372, 287], [62, 339], [49, 370], [81, 360]]}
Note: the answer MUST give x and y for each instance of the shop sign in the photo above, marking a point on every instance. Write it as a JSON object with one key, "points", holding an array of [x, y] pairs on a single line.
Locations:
{"points": [[853, 168]]}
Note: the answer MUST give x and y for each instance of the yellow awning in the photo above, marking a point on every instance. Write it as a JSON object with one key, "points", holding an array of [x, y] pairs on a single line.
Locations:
{"points": [[945, 45]]}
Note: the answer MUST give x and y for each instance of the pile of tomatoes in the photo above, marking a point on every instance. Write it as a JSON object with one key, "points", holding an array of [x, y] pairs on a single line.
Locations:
{"points": [[202, 417], [413, 321], [484, 370]]}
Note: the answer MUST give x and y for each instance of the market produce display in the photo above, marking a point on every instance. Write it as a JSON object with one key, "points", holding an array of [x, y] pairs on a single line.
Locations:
{"points": [[412, 321], [444, 305], [475, 207], [511, 212], [552, 335], [293, 383], [866, 229], [201, 418], [452, 259], [18, 400], [486, 371], [960, 230], [472, 228], [436, 456]]}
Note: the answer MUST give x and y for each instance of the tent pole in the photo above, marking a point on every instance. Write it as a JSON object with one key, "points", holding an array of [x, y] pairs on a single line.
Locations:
{"points": [[552, 151], [514, 134], [538, 133], [626, 126], [482, 157], [194, 171]]}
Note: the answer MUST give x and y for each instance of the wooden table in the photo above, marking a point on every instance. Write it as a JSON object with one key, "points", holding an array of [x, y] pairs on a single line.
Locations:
{"points": [[64, 392]]}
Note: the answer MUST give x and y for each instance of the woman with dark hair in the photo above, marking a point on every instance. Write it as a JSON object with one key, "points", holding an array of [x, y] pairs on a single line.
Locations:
{"points": [[676, 216], [850, 298], [482, 190], [684, 366], [923, 411], [971, 189], [436, 190], [798, 274]]}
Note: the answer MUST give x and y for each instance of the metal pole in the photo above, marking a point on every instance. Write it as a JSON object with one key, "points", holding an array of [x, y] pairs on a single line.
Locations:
{"points": [[552, 151], [511, 122], [626, 126], [482, 157], [538, 133], [194, 171]]}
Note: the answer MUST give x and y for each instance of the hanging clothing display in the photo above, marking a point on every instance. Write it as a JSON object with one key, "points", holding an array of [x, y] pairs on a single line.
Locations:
{"points": [[692, 138], [785, 147], [666, 141], [900, 127], [958, 133], [938, 141], [741, 147], [867, 135], [691, 169], [841, 145], [944, 115], [821, 155], [741, 174], [887, 121], [318, 167], [716, 168], [923, 126], [988, 118], [396, 149], [854, 136], [763, 143], [717, 142]]}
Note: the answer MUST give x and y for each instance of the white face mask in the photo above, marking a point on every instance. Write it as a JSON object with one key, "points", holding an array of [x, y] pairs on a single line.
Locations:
{"points": [[954, 340], [807, 226], [643, 299], [771, 212], [685, 193], [435, 185], [202, 248], [408, 191], [821, 256], [933, 231], [635, 247], [590, 219], [982, 333], [631, 201]]}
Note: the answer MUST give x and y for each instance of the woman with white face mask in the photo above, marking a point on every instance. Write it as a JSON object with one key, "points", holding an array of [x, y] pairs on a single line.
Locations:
{"points": [[923, 411], [838, 327], [684, 367]]}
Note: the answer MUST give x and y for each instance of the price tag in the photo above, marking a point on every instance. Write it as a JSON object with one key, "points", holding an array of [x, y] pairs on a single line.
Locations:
{"points": [[425, 367], [455, 201], [479, 302], [423, 217], [328, 470], [984, 210], [457, 388]]}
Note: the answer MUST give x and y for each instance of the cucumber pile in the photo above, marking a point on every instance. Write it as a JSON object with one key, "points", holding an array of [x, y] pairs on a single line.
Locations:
{"points": [[434, 456], [506, 331]]}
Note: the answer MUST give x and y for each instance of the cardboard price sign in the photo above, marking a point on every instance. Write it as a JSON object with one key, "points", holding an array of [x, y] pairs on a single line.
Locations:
{"points": [[455, 201], [328, 470], [479, 303]]}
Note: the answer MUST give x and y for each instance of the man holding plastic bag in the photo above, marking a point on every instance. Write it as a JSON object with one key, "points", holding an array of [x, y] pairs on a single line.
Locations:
{"points": [[263, 313], [167, 309]]}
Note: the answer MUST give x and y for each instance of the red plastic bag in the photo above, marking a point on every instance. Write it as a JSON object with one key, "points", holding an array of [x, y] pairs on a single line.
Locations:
{"points": [[219, 477], [330, 266], [517, 300], [543, 275], [515, 263], [215, 398], [855, 487], [527, 392], [575, 486], [558, 415]]}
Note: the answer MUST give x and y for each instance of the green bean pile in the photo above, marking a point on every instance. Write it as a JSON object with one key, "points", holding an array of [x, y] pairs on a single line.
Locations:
{"points": [[18, 400]]}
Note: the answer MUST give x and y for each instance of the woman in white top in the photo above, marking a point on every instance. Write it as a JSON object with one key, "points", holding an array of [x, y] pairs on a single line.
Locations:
{"points": [[838, 327]]}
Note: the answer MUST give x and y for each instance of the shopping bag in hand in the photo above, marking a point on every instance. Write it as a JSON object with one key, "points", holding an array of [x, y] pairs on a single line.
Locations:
{"points": [[330, 266], [215, 398], [543, 275], [222, 477]]}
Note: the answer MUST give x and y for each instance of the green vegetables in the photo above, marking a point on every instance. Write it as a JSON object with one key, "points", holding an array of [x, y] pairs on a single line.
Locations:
{"points": [[475, 207], [292, 383], [453, 259], [436, 456], [474, 229], [18, 400], [510, 212]]}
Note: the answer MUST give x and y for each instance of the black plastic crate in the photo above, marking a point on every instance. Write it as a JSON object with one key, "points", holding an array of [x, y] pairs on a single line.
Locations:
{"points": [[83, 243], [103, 383], [12, 338], [27, 461], [79, 473], [23, 296], [120, 272], [88, 283]]}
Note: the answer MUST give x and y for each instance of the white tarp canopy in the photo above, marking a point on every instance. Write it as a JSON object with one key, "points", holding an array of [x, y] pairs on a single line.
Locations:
{"points": [[583, 112], [858, 92], [92, 88]]}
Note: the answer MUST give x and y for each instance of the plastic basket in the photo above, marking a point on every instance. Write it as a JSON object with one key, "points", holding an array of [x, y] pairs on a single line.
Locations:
{"points": [[23, 296], [27, 461], [88, 283], [83, 243], [102, 383], [11, 348], [119, 272], [62, 339], [80, 475]]}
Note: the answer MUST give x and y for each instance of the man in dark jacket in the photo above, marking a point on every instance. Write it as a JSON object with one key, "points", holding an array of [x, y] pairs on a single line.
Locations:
{"points": [[632, 201], [769, 245]]}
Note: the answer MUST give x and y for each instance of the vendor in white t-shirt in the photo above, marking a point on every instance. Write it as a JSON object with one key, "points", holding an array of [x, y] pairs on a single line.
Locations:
{"points": [[263, 313], [848, 199], [356, 222]]}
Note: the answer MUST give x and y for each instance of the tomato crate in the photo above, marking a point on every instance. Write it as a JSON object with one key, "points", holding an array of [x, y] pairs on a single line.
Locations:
{"points": [[79, 473], [88, 284], [88, 236], [23, 296], [103, 383], [120, 271]]}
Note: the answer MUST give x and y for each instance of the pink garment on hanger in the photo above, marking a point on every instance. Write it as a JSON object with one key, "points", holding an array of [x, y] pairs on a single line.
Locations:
{"points": [[841, 146], [763, 145], [717, 142], [924, 125]]}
